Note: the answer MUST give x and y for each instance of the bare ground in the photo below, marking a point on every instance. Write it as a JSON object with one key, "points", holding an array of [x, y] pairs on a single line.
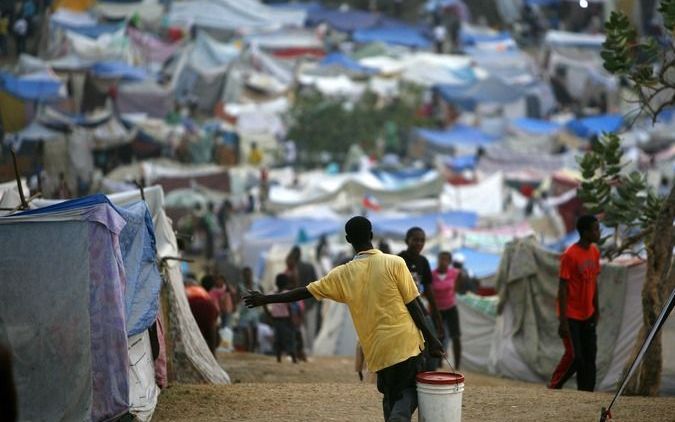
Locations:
{"points": [[327, 389]]}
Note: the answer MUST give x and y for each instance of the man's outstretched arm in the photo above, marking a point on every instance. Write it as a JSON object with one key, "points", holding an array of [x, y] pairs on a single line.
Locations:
{"points": [[417, 314], [254, 298]]}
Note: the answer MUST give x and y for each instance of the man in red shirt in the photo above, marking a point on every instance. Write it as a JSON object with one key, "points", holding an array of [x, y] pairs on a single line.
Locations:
{"points": [[578, 307]]}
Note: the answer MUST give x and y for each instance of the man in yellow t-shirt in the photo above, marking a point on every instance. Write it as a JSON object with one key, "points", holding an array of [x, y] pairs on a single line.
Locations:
{"points": [[392, 330]]}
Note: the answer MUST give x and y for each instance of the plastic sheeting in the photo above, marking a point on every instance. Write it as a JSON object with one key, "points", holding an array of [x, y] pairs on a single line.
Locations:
{"points": [[37, 86], [143, 391], [479, 264], [536, 126], [484, 198], [337, 336], [137, 242], [432, 223], [487, 90], [459, 135], [233, 15], [406, 36], [77, 369], [525, 342], [587, 127], [118, 70], [344, 20]]}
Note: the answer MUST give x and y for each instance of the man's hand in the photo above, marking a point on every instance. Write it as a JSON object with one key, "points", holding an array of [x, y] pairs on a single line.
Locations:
{"points": [[436, 349], [254, 299], [563, 329]]}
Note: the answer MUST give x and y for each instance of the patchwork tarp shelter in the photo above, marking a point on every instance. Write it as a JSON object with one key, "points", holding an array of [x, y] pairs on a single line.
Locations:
{"points": [[524, 342], [343, 20], [201, 69], [36, 86], [65, 323]]}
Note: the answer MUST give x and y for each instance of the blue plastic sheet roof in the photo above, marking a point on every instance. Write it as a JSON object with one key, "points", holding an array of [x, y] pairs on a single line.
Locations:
{"points": [[402, 35], [118, 70], [430, 223], [488, 90], [457, 136], [87, 201], [272, 228], [34, 87], [595, 125], [345, 21], [480, 264], [475, 37], [536, 126], [91, 31], [462, 162], [344, 61]]}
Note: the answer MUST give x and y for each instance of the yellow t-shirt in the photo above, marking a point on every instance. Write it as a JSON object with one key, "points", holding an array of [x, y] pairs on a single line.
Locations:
{"points": [[255, 157], [376, 287]]}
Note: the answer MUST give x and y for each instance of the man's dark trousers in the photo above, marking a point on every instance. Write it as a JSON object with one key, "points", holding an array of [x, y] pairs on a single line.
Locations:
{"points": [[397, 383]]}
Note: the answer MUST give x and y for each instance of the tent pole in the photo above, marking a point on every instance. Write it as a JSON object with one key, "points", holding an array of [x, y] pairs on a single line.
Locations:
{"points": [[24, 204], [665, 311]]}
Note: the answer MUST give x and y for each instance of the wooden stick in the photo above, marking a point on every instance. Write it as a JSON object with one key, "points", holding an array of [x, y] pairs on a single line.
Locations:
{"points": [[24, 204]]}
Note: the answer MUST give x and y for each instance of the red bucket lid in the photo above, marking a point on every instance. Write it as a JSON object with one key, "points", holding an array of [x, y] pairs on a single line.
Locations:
{"points": [[443, 378]]}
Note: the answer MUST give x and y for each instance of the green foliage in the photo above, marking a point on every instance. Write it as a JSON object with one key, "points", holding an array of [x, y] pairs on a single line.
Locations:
{"points": [[625, 200], [641, 61], [320, 124]]}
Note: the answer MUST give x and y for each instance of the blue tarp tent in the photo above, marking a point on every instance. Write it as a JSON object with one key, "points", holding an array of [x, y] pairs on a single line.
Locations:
{"points": [[588, 127], [430, 223], [346, 62], [402, 35], [39, 86], [345, 21], [71, 298], [535, 126], [459, 135], [139, 254], [461, 163], [488, 90], [118, 70], [480, 264]]}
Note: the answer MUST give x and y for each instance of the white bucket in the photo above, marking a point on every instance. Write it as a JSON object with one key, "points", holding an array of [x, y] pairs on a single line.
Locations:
{"points": [[440, 396]]}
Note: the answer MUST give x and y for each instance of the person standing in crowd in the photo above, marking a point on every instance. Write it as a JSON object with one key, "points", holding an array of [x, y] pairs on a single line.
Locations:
{"points": [[224, 214], [578, 307], [4, 34], [20, 29], [305, 313], [62, 190], [211, 229], [444, 283], [249, 318], [383, 302], [255, 155], [419, 268], [204, 311], [280, 313]]}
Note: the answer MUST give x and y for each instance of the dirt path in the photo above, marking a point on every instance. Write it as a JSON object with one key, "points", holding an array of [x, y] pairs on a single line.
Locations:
{"points": [[327, 389]]}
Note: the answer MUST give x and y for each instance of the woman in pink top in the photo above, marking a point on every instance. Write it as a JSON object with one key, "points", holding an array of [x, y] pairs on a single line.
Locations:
{"points": [[444, 282]]}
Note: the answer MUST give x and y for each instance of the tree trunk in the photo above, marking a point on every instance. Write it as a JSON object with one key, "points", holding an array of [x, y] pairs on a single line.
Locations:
{"points": [[659, 282]]}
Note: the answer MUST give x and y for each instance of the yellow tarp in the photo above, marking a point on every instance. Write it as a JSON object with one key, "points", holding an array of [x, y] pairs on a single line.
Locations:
{"points": [[12, 112], [75, 5]]}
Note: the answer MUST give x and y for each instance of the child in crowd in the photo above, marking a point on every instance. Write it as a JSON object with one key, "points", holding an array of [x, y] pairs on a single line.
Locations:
{"points": [[280, 313], [445, 282]]}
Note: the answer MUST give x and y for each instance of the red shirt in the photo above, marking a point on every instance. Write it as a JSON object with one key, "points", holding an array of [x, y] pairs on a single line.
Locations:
{"points": [[580, 267]]}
